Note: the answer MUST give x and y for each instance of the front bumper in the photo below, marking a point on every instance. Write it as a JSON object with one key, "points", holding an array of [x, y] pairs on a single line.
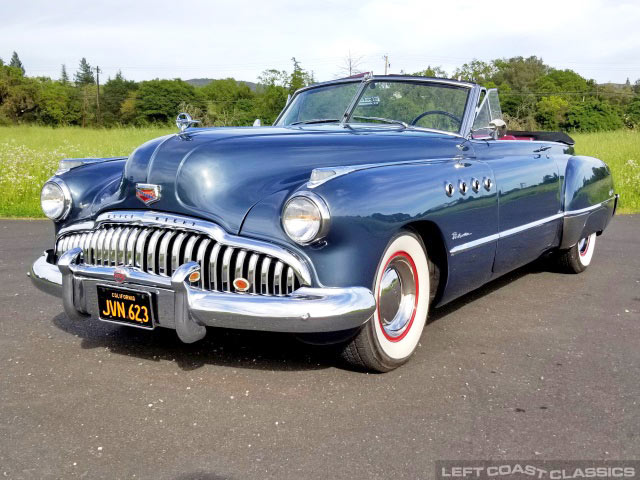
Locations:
{"points": [[188, 310]]}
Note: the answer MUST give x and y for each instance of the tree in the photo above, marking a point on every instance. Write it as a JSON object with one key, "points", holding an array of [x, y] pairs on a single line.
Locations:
{"points": [[271, 94], [64, 77], [59, 104], [351, 65], [434, 72], [299, 77], [229, 102], [633, 112], [84, 75], [157, 100], [551, 112], [519, 74], [476, 71], [593, 115], [16, 63], [562, 82], [114, 93], [19, 95]]}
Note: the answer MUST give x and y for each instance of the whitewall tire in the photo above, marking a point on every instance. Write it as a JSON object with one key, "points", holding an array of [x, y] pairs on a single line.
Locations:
{"points": [[402, 290], [578, 258]]}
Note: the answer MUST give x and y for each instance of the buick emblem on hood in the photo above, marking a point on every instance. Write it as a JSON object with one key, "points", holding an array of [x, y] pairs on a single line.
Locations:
{"points": [[148, 192]]}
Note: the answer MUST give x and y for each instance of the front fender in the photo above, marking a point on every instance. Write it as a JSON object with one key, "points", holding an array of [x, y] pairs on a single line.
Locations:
{"points": [[369, 206], [92, 187]]}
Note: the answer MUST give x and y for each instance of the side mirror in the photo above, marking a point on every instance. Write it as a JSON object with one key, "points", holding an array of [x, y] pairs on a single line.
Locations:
{"points": [[498, 128], [257, 123]]}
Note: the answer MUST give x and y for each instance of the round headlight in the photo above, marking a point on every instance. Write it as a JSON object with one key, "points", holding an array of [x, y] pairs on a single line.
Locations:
{"points": [[305, 218], [55, 200]]}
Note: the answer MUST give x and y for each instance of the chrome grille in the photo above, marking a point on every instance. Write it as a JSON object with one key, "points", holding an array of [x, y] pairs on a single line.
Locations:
{"points": [[161, 250]]}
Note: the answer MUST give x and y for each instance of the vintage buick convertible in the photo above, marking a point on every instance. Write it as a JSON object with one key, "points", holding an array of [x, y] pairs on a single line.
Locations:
{"points": [[369, 201]]}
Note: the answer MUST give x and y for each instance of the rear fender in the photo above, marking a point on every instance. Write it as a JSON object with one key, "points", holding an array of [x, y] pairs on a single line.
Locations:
{"points": [[588, 199]]}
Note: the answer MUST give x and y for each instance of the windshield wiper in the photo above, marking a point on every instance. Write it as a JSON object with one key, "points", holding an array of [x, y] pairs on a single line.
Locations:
{"points": [[385, 120], [315, 120]]}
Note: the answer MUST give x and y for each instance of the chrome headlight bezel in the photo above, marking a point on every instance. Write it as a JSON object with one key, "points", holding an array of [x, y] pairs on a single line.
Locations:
{"points": [[65, 198], [321, 212]]}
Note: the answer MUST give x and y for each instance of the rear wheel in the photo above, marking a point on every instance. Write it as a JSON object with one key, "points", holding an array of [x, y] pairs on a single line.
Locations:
{"points": [[402, 289], [577, 258]]}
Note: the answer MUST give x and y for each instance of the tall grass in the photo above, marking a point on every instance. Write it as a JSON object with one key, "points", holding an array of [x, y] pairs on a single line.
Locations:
{"points": [[29, 155], [621, 151]]}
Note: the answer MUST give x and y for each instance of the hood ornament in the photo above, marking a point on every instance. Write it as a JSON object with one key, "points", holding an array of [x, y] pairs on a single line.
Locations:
{"points": [[148, 192], [184, 121]]}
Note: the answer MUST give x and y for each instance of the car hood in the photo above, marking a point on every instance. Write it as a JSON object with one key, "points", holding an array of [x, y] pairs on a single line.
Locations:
{"points": [[220, 173]]}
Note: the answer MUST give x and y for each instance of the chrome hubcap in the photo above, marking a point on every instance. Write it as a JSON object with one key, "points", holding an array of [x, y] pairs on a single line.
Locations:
{"points": [[583, 246], [396, 302]]}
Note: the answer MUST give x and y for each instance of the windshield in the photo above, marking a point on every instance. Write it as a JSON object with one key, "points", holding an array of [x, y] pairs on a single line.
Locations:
{"points": [[422, 104], [322, 103]]}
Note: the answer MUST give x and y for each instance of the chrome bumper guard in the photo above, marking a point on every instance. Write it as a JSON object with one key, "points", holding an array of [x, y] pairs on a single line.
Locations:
{"points": [[188, 310]]}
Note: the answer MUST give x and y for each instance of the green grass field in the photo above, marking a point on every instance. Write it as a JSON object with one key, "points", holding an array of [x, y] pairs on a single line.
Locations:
{"points": [[29, 155]]}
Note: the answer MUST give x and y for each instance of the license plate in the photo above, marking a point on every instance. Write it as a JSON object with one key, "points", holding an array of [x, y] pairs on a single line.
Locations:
{"points": [[125, 306]]}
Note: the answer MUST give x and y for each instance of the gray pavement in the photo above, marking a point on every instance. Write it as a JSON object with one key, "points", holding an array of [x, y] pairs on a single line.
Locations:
{"points": [[537, 365]]}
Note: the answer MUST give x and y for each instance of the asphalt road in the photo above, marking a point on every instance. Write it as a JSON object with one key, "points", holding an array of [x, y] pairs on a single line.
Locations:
{"points": [[537, 365]]}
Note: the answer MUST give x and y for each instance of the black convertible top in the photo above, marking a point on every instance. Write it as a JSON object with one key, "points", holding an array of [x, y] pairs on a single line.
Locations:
{"points": [[544, 136]]}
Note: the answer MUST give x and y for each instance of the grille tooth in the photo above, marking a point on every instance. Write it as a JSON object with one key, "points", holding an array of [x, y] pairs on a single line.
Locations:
{"points": [[152, 252], [121, 257], [106, 245], [140, 254], [290, 280], [213, 267], [86, 248], [65, 244], [99, 245], [252, 273], [264, 276], [239, 267], [204, 271], [131, 247], [113, 248], [160, 250], [226, 269], [165, 257], [188, 250], [277, 278], [94, 247], [176, 260]]}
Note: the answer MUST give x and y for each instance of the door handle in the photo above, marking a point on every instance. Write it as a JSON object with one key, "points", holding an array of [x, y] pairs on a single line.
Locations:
{"points": [[542, 149]]}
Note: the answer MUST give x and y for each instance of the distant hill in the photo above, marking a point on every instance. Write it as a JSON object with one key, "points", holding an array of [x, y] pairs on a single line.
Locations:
{"points": [[201, 82]]}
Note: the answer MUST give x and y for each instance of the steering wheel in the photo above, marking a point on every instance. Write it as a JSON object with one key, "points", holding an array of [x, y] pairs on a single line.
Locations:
{"points": [[436, 112]]}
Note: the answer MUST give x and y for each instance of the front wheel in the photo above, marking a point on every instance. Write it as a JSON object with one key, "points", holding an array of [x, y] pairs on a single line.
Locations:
{"points": [[577, 258], [402, 288]]}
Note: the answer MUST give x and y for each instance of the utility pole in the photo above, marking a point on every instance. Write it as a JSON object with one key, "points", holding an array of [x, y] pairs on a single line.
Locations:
{"points": [[386, 63], [98, 95]]}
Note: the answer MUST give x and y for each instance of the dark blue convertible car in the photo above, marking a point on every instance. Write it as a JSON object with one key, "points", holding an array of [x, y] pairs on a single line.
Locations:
{"points": [[368, 202]]}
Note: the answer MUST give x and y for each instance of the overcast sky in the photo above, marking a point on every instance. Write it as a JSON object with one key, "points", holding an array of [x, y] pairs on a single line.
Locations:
{"points": [[189, 39]]}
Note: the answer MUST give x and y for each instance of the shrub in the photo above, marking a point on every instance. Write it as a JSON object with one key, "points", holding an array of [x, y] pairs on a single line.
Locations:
{"points": [[592, 115]]}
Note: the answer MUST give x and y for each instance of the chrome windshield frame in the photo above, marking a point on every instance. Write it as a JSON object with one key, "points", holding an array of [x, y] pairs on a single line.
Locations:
{"points": [[467, 118]]}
